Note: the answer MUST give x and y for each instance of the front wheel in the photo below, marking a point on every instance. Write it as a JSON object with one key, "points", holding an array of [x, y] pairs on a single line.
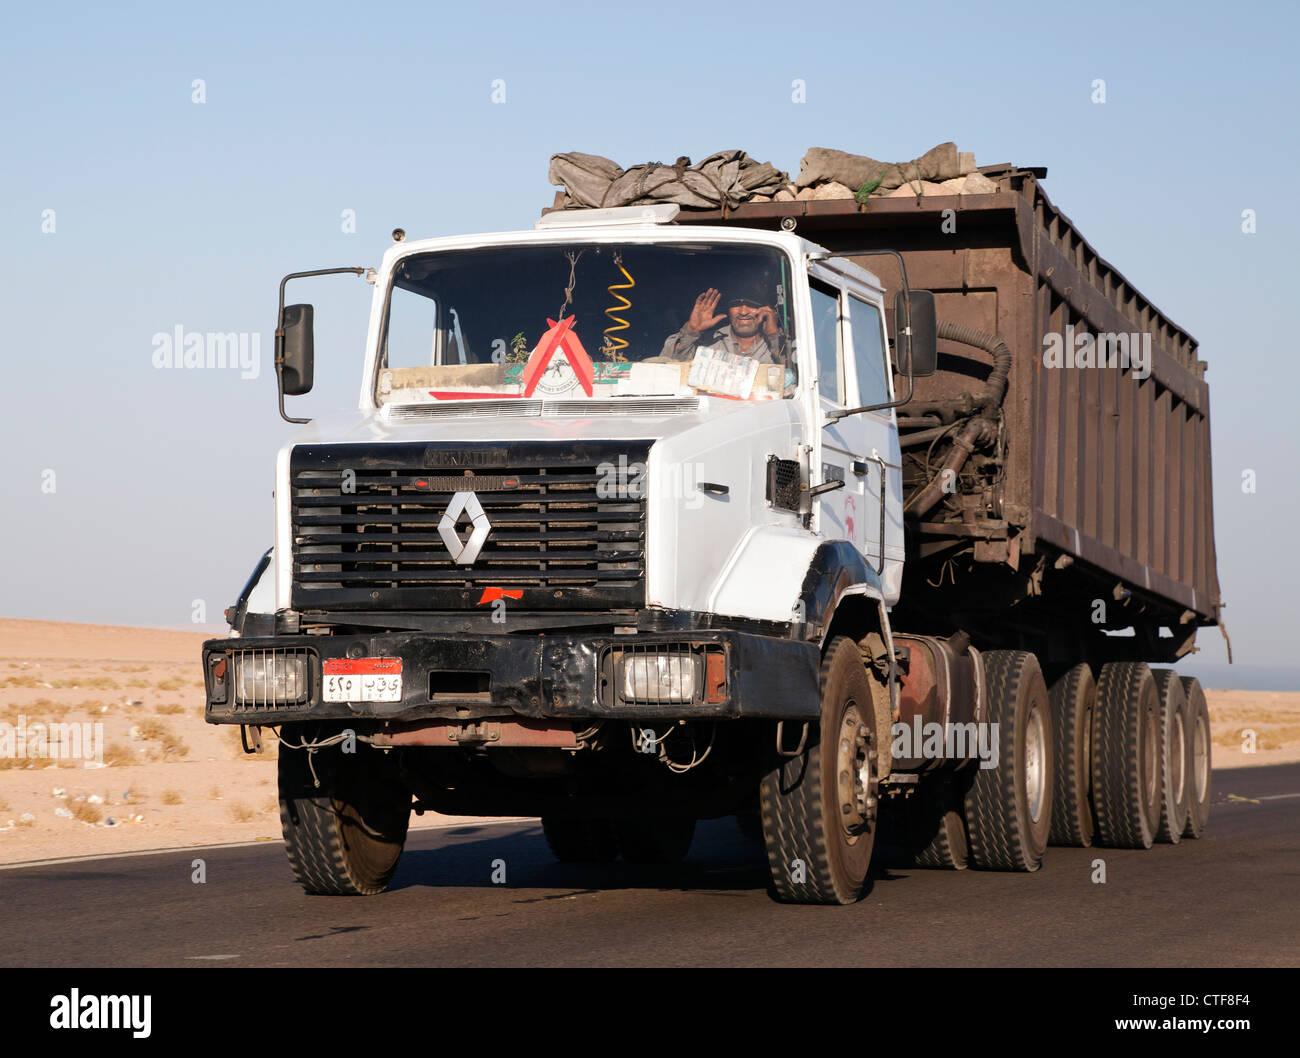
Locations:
{"points": [[819, 808], [345, 835]]}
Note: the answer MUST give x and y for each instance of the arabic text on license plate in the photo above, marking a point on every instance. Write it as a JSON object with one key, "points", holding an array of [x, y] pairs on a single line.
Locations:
{"points": [[362, 680]]}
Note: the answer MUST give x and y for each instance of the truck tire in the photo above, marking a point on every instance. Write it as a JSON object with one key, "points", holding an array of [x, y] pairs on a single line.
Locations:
{"points": [[1073, 697], [581, 840], [1126, 773], [1174, 754], [656, 840], [935, 824], [343, 838], [820, 808], [1009, 807], [1198, 758]]}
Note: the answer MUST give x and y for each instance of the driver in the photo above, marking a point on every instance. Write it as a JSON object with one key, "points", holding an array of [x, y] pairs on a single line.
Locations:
{"points": [[752, 329]]}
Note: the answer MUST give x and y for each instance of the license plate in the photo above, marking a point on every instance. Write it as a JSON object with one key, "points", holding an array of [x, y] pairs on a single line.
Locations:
{"points": [[362, 680]]}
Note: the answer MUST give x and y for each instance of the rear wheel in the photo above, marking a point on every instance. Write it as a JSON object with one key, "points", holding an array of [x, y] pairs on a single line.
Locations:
{"points": [[1073, 697], [934, 823], [580, 840], [656, 840], [1009, 806], [345, 836], [819, 809], [1174, 743], [1126, 758], [1198, 758]]}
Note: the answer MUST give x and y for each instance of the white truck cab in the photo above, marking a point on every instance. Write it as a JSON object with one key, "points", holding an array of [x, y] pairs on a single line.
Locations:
{"points": [[611, 538]]}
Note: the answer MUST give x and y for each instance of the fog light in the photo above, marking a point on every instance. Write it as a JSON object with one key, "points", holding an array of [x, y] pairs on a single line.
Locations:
{"points": [[659, 678], [266, 677]]}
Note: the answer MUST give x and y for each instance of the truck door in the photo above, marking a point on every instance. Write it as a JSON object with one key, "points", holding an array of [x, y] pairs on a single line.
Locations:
{"points": [[879, 465], [841, 511]]}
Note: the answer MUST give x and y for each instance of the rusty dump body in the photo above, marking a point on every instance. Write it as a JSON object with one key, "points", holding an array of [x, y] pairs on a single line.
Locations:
{"points": [[1088, 509]]}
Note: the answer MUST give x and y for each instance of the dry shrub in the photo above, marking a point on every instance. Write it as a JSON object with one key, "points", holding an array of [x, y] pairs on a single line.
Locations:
{"points": [[116, 753], [172, 746], [97, 683], [1277, 737]]}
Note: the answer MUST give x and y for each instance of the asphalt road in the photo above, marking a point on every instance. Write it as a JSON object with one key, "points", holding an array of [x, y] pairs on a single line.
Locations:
{"points": [[1229, 899]]}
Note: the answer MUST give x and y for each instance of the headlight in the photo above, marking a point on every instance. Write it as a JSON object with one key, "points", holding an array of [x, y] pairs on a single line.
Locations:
{"points": [[659, 678], [262, 676]]}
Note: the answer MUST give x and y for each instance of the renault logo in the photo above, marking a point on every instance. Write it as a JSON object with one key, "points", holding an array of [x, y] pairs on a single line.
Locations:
{"points": [[464, 553]]}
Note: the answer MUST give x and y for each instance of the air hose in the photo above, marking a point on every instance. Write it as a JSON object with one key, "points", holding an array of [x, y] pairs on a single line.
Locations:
{"points": [[982, 428]]}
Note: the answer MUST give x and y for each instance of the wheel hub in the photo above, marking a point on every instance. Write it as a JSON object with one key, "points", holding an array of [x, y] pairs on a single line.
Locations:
{"points": [[1035, 770], [1177, 751], [1201, 760], [855, 769], [1151, 754]]}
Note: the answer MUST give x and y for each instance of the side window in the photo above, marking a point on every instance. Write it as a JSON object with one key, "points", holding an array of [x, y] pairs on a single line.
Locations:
{"points": [[826, 333], [412, 336], [868, 353]]}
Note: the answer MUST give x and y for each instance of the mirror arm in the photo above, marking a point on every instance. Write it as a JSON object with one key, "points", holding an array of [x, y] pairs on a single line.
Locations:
{"points": [[279, 330]]}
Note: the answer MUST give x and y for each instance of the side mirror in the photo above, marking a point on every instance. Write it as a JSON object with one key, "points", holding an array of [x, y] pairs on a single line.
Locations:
{"points": [[919, 349], [299, 349]]}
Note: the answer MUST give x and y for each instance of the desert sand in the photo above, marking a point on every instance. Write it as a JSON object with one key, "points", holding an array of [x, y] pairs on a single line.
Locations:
{"points": [[170, 780]]}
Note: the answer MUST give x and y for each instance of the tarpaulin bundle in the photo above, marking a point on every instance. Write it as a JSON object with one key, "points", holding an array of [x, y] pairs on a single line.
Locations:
{"points": [[822, 165], [729, 178], [725, 178]]}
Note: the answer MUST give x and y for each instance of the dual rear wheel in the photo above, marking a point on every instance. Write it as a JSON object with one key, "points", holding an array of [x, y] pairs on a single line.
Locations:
{"points": [[996, 813], [1136, 753], [1123, 761]]}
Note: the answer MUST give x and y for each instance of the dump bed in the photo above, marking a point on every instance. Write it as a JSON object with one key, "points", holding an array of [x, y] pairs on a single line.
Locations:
{"points": [[1098, 490]]}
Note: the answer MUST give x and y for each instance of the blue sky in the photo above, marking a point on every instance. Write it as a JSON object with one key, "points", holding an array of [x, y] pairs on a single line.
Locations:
{"points": [[170, 212]]}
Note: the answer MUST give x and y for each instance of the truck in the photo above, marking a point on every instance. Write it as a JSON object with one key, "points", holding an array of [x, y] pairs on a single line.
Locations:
{"points": [[872, 524]]}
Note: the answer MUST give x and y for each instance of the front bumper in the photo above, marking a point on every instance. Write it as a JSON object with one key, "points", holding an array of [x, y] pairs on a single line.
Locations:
{"points": [[551, 676]]}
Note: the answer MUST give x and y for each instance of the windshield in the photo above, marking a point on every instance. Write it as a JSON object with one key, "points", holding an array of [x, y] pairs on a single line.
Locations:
{"points": [[586, 320]]}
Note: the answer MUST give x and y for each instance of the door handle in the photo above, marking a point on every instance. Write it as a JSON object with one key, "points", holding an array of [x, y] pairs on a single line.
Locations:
{"points": [[876, 459]]}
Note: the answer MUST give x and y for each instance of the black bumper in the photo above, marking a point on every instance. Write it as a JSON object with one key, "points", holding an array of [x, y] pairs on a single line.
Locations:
{"points": [[531, 676]]}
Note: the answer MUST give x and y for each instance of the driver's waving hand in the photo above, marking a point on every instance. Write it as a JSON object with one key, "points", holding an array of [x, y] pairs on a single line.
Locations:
{"points": [[751, 330]]}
